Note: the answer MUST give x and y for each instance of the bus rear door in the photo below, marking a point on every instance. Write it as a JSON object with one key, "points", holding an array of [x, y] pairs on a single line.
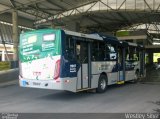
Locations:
{"points": [[84, 60]]}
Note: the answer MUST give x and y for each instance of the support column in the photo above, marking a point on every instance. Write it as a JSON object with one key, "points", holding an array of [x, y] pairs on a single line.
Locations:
{"points": [[150, 57], [3, 55], [15, 34]]}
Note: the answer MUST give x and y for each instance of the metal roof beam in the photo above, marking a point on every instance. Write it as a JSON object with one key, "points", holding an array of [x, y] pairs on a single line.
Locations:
{"points": [[38, 9], [28, 11], [107, 6], [92, 19], [13, 3], [158, 8], [55, 4], [20, 6], [121, 4], [70, 10], [96, 21], [35, 11], [49, 9], [108, 18], [147, 5]]}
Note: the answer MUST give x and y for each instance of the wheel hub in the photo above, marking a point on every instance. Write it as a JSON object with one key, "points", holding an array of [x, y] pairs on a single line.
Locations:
{"points": [[103, 84]]}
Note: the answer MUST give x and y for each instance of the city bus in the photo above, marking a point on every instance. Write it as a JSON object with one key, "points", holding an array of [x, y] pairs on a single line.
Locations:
{"points": [[66, 60]]}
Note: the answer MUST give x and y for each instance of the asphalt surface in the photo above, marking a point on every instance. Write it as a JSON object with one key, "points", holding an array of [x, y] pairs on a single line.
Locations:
{"points": [[8, 75], [153, 74], [117, 99]]}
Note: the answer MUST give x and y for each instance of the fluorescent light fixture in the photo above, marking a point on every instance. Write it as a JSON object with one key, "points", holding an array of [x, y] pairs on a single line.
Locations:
{"points": [[156, 43], [156, 39]]}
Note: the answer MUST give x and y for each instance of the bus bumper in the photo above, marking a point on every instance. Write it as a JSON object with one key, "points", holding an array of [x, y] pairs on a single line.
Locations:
{"points": [[59, 84]]}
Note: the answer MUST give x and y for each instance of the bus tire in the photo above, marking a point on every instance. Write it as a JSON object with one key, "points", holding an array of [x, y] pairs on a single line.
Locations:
{"points": [[102, 84]]}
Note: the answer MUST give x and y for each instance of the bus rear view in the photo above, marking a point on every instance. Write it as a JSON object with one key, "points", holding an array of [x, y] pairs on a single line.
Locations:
{"points": [[72, 61], [39, 59]]}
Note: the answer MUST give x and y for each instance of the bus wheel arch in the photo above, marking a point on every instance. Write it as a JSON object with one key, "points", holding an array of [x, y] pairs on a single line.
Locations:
{"points": [[102, 83]]}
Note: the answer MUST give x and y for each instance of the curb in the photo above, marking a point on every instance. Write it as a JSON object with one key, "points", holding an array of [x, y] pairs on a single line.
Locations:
{"points": [[7, 71]]}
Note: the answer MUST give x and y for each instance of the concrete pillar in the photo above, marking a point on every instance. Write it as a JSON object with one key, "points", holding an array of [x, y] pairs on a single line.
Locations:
{"points": [[150, 57], [3, 55], [15, 34]]}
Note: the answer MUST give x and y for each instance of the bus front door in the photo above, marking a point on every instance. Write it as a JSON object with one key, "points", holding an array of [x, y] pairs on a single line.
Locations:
{"points": [[83, 59]]}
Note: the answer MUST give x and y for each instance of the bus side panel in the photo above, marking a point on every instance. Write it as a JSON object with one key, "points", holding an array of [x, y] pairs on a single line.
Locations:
{"points": [[79, 78], [130, 75], [69, 84], [112, 78], [85, 75], [82, 76], [106, 67], [131, 69]]}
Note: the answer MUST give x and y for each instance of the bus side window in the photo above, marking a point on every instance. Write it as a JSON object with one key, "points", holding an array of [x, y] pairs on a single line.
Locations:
{"points": [[94, 51], [132, 54], [101, 51], [84, 52], [70, 48], [107, 52], [96, 55]]}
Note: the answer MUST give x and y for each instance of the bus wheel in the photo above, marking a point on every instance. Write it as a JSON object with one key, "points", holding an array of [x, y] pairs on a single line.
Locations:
{"points": [[102, 84]]}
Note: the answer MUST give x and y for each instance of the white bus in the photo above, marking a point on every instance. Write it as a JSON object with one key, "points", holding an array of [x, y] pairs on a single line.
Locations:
{"points": [[65, 60]]}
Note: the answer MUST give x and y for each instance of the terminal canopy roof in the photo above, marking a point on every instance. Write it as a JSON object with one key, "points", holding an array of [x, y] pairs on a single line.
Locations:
{"points": [[88, 15]]}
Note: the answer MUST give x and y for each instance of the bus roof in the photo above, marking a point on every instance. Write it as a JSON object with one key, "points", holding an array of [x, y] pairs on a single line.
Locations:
{"points": [[102, 37], [110, 39], [95, 36], [90, 36]]}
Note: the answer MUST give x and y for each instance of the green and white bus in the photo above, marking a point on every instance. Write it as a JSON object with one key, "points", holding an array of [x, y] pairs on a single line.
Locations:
{"points": [[65, 60]]}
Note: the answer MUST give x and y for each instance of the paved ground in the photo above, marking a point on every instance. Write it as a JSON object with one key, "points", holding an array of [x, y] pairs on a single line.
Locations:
{"points": [[125, 98], [8, 75], [152, 74]]}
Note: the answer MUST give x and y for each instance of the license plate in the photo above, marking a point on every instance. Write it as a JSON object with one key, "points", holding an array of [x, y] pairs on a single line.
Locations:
{"points": [[36, 83]]}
